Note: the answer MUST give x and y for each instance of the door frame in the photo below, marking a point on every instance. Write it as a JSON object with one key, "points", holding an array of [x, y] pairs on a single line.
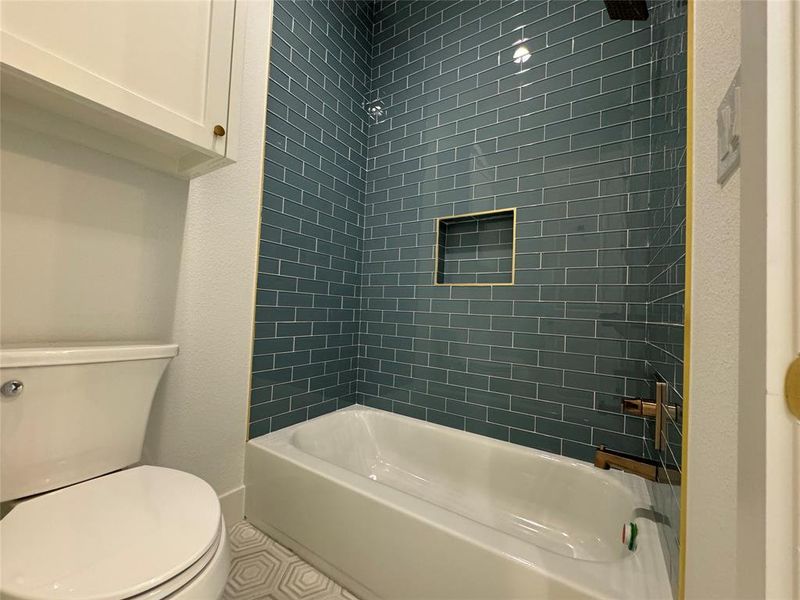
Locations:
{"points": [[768, 521]]}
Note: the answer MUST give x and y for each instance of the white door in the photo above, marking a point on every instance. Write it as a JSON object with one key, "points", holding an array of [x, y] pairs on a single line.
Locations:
{"points": [[793, 420], [166, 63], [783, 300], [768, 547]]}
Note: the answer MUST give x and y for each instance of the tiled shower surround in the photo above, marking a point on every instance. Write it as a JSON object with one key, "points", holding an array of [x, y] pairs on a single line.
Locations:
{"points": [[564, 137], [305, 353], [545, 362]]}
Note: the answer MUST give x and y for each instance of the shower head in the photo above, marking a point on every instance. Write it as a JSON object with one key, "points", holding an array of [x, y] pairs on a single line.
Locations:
{"points": [[627, 10]]}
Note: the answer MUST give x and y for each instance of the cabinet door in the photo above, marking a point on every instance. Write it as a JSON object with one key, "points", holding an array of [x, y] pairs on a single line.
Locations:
{"points": [[166, 63]]}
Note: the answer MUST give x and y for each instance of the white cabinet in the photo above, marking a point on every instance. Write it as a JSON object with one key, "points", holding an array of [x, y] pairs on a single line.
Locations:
{"points": [[152, 81]]}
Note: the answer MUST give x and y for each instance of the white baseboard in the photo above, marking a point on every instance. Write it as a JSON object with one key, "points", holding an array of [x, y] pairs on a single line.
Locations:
{"points": [[232, 505]]}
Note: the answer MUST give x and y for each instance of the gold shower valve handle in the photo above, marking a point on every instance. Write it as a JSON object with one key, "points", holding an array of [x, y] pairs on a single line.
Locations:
{"points": [[653, 409], [638, 407], [792, 387]]}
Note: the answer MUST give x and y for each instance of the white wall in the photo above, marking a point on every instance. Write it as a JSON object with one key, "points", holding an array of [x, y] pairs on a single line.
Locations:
{"points": [[95, 248], [89, 243], [713, 388], [199, 420]]}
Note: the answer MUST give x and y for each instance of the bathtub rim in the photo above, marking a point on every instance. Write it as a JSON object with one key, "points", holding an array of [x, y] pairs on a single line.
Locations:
{"points": [[624, 482]]}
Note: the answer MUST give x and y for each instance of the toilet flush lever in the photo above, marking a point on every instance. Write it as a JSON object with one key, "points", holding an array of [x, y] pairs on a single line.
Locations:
{"points": [[12, 388]]}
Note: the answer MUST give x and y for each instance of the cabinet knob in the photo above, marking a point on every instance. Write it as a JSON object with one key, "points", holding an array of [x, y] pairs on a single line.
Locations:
{"points": [[219, 130]]}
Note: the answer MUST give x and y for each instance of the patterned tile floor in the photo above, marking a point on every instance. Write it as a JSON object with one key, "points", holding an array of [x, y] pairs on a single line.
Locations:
{"points": [[262, 569]]}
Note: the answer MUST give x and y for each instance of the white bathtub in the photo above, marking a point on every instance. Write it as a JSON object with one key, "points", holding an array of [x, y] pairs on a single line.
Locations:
{"points": [[393, 507]]}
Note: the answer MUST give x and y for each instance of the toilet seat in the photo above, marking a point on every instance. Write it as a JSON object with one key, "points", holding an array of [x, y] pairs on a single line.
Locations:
{"points": [[202, 581], [141, 533]]}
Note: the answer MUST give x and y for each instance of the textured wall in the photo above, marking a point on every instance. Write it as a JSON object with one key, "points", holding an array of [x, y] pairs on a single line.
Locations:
{"points": [[713, 391], [305, 349], [89, 244], [667, 264], [565, 138], [197, 419]]}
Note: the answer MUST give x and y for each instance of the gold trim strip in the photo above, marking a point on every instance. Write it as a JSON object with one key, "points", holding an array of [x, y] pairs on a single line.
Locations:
{"points": [[513, 212], [480, 213], [687, 305]]}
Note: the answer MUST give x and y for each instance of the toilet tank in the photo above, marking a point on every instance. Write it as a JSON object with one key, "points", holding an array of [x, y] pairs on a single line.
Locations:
{"points": [[81, 412]]}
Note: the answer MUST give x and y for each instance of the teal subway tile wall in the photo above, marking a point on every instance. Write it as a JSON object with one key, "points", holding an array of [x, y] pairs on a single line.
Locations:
{"points": [[564, 137], [305, 352], [464, 120]]}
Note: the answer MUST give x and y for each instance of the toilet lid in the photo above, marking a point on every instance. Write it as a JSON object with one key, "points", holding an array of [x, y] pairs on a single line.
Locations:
{"points": [[108, 538]]}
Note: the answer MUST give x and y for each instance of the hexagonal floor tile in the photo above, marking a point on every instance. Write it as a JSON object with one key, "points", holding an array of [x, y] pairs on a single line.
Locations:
{"points": [[301, 581], [244, 537], [262, 569]]}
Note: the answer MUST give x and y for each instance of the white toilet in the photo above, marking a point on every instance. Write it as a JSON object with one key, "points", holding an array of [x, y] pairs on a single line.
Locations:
{"points": [[86, 527]]}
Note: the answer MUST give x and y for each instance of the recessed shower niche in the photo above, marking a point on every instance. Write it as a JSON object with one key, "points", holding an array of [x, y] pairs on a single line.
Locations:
{"points": [[476, 249]]}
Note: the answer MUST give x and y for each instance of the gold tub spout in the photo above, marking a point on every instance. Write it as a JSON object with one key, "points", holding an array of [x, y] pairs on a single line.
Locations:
{"points": [[610, 459]]}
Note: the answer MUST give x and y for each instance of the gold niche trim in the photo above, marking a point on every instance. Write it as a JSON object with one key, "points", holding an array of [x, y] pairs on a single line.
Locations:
{"points": [[513, 212]]}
